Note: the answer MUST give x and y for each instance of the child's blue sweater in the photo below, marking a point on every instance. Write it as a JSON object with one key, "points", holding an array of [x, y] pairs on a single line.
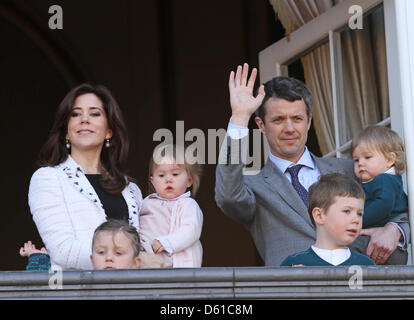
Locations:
{"points": [[385, 198], [38, 262]]}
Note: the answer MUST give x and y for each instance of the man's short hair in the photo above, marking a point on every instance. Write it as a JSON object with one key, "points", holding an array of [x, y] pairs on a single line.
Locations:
{"points": [[286, 88], [322, 193]]}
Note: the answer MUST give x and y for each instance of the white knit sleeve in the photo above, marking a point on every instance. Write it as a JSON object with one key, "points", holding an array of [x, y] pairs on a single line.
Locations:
{"points": [[52, 218]]}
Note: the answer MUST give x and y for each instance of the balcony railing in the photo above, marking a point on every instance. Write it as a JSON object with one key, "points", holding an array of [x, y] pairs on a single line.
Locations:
{"points": [[214, 283]]}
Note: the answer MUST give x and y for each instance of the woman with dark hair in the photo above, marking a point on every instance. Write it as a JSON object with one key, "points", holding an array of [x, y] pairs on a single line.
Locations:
{"points": [[81, 182]]}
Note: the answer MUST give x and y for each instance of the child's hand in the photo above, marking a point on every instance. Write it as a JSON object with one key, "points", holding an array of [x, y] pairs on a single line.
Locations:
{"points": [[29, 248], [150, 261], [157, 246]]}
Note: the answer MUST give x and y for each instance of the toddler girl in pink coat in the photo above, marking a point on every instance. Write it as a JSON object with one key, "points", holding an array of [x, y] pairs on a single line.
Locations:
{"points": [[170, 220]]}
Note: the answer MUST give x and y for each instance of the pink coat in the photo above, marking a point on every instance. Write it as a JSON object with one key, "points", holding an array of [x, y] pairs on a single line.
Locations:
{"points": [[177, 224]]}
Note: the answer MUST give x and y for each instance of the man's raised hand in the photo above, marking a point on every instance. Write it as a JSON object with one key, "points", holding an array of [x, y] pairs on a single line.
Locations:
{"points": [[243, 103]]}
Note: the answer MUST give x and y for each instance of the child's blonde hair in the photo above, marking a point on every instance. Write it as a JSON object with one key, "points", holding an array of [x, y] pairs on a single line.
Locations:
{"points": [[115, 226], [176, 154], [384, 140], [148, 260]]}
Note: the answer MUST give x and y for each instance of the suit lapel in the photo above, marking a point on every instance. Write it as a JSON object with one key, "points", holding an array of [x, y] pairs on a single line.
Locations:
{"points": [[281, 185], [324, 166]]}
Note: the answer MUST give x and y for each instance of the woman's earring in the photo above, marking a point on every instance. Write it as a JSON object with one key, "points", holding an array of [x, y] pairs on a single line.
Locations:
{"points": [[107, 143], [67, 144]]}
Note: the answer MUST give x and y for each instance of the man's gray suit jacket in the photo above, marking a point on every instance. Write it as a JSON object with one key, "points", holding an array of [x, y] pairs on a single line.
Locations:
{"points": [[270, 208]]}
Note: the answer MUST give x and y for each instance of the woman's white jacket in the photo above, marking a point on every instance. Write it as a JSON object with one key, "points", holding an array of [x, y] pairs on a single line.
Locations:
{"points": [[67, 210]]}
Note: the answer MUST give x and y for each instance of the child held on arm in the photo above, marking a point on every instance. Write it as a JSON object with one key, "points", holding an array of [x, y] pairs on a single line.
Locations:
{"points": [[170, 220], [379, 161], [115, 245], [336, 207]]}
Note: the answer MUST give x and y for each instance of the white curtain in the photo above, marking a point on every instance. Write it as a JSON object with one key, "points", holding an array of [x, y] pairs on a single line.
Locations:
{"points": [[363, 64]]}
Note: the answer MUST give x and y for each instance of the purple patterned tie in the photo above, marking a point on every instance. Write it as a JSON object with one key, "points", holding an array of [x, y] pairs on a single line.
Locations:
{"points": [[303, 194]]}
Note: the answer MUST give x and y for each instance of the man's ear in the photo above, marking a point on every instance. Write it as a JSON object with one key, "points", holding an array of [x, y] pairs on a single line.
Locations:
{"points": [[310, 121], [260, 124], [318, 216]]}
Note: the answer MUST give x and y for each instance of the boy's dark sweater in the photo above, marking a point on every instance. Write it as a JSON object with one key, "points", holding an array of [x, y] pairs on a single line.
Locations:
{"points": [[310, 258]]}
